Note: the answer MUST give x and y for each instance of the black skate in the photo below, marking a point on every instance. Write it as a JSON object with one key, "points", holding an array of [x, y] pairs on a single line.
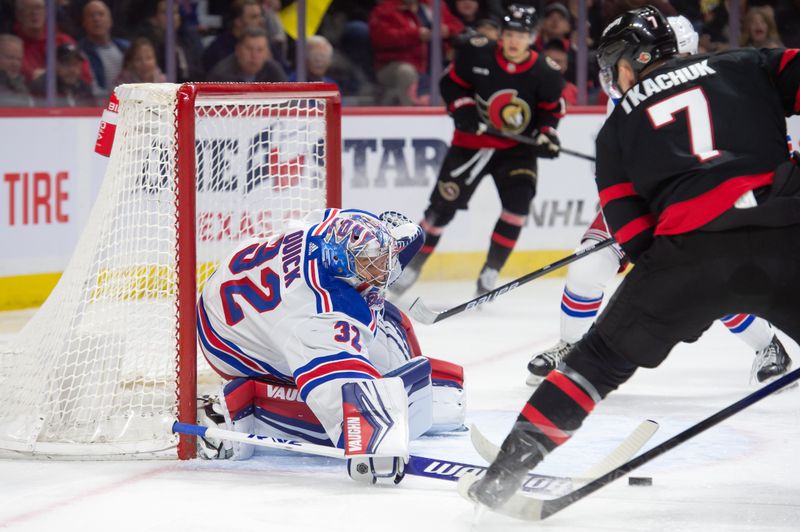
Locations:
{"points": [[771, 362], [543, 363], [519, 454]]}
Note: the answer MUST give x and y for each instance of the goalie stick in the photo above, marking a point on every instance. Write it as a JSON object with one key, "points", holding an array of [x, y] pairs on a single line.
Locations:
{"points": [[420, 312], [417, 465], [524, 139], [533, 509]]}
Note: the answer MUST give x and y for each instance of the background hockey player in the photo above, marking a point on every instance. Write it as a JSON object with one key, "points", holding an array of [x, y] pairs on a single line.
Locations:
{"points": [[508, 87], [587, 280], [698, 191], [298, 324]]}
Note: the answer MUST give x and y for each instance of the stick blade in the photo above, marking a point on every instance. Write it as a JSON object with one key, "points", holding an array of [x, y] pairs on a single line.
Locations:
{"points": [[483, 445], [519, 506], [420, 312], [624, 452]]}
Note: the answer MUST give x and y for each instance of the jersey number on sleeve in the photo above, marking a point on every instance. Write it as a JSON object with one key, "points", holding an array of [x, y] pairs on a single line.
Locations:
{"points": [[344, 335], [698, 118], [262, 298]]}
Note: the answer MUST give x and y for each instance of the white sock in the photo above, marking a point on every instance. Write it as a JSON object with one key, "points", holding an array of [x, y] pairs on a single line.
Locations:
{"points": [[755, 332], [583, 292]]}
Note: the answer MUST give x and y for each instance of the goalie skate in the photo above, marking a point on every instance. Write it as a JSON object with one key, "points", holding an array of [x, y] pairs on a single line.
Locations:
{"points": [[543, 363]]}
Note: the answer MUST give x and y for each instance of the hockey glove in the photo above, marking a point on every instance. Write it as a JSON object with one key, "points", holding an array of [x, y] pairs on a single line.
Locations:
{"points": [[377, 470], [465, 116], [547, 145]]}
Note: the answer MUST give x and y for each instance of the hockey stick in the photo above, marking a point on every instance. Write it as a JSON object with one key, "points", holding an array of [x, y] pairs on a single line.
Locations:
{"points": [[417, 465], [532, 509], [621, 454], [420, 312], [524, 139]]}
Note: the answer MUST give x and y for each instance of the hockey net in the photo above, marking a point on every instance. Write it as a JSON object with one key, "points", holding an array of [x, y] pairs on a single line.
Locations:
{"points": [[109, 362]]}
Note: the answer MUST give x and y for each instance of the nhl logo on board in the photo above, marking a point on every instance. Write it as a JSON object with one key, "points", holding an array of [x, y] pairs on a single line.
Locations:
{"points": [[644, 58]]}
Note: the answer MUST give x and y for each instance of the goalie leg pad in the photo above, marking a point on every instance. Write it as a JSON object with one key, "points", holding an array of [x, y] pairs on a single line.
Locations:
{"points": [[449, 398], [232, 409], [281, 412], [416, 377]]}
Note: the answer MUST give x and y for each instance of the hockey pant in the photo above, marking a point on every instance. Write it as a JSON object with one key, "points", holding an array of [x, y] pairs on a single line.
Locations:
{"points": [[673, 294]]}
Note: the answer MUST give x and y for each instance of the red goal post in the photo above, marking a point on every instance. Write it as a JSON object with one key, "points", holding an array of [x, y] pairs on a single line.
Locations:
{"points": [[110, 360]]}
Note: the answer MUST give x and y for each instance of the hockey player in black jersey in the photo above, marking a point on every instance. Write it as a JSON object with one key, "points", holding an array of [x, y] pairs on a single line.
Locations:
{"points": [[696, 187], [508, 87]]}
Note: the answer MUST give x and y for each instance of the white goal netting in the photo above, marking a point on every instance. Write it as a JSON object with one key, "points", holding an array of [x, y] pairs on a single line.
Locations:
{"points": [[94, 373]]}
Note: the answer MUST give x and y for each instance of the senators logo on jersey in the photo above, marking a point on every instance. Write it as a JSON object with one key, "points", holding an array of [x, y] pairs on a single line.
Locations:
{"points": [[506, 111]]}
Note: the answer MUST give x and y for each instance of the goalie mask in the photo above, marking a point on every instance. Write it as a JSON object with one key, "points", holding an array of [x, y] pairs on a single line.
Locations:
{"points": [[359, 248], [641, 37]]}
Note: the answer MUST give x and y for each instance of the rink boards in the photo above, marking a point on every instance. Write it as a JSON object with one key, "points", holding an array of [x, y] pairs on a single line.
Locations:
{"points": [[49, 176]]}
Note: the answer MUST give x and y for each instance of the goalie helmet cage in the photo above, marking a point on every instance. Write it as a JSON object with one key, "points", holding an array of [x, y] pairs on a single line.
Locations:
{"points": [[110, 361]]}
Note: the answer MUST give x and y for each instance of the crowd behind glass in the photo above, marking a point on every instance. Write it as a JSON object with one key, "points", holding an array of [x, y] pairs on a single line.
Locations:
{"points": [[378, 52]]}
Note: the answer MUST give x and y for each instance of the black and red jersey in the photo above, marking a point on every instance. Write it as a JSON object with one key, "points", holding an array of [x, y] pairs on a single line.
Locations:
{"points": [[690, 138], [513, 97]]}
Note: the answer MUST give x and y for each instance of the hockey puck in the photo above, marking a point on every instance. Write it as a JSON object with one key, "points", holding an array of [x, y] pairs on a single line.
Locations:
{"points": [[640, 481]]}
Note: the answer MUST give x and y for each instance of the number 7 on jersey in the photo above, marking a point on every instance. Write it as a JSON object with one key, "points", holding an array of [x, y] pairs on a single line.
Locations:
{"points": [[698, 118]]}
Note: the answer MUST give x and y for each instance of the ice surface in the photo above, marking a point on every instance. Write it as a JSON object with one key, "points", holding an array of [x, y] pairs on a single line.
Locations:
{"points": [[743, 475]]}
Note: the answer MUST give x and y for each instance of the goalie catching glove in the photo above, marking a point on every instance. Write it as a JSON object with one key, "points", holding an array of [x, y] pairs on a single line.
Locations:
{"points": [[548, 145]]}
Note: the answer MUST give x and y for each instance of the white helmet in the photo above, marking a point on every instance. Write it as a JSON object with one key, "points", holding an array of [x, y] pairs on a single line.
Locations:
{"points": [[684, 33]]}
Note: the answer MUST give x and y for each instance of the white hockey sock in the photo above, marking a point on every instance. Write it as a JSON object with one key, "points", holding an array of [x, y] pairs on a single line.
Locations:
{"points": [[755, 332], [583, 292]]}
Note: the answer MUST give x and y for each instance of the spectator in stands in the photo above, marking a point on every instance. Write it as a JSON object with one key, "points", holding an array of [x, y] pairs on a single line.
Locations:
{"points": [[244, 13], [556, 24], [469, 12], [787, 14], [278, 41], [759, 29], [71, 90], [251, 61], [189, 49], [560, 56], [140, 64], [6, 16], [13, 90], [319, 54], [31, 28], [400, 33], [105, 52], [489, 28]]}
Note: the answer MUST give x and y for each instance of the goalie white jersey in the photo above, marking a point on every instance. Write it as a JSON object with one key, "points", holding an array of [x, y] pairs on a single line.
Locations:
{"points": [[271, 310]]}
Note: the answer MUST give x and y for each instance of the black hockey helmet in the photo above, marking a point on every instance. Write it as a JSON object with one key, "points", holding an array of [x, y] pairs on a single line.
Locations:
{"points": [[641, 36], [520, 18]]}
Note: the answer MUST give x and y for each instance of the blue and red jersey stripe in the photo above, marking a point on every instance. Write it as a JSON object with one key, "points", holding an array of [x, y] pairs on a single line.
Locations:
{"points": [[341, 365]]}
